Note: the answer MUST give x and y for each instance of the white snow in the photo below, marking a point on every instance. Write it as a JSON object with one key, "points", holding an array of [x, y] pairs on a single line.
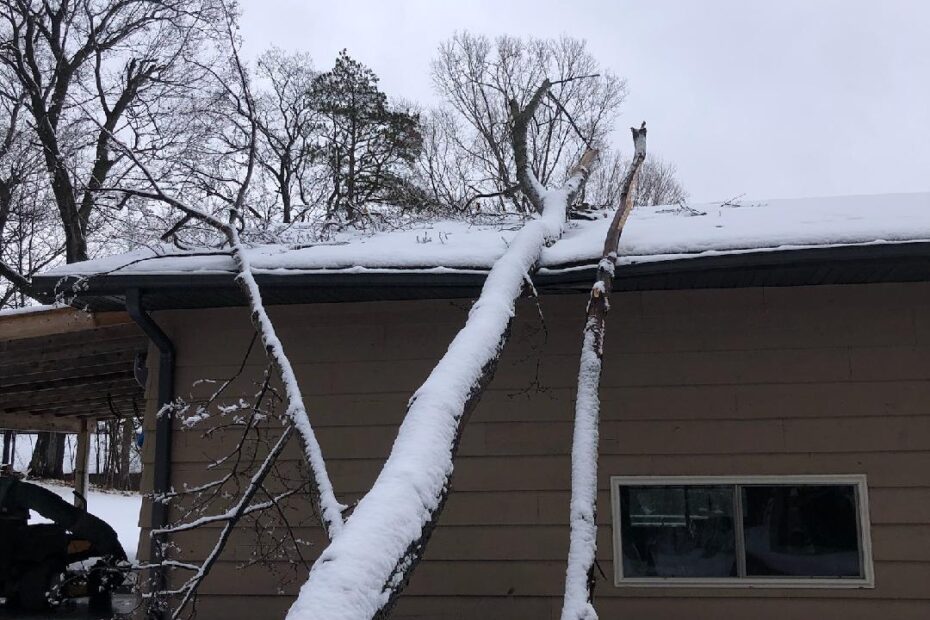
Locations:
{"points": [[583, 539], [119, 509], [651, 234], [30, 309]]}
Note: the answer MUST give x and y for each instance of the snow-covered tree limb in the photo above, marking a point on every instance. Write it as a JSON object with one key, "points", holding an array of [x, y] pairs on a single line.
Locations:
{"points": [[579, 577], [330, 508], [361, 573]]}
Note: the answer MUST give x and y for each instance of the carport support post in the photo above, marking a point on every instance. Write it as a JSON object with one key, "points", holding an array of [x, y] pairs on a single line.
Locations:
{"points": [[7, 448], [81, 472]]}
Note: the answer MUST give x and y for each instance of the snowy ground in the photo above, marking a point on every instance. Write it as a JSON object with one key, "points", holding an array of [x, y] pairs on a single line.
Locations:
{"points": [[119, 509]]}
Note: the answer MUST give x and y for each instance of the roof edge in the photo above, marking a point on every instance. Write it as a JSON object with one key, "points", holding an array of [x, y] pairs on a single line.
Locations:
{"points": [[878, 262]]}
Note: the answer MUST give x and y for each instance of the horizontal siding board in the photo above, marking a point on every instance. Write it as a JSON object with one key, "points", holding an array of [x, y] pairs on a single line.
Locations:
{"points": [[237, 607], [523, 543], [888, 507], [645, 403], [902, 580], [551, 473], [645, 438]]}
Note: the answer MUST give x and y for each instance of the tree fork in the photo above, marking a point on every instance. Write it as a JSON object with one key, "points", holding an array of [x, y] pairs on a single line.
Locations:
{"points": [[397, 516]]}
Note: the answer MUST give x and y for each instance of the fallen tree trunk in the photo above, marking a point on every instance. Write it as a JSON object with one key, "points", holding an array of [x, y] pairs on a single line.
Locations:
{"points": [[361, 573], [579, 576]]}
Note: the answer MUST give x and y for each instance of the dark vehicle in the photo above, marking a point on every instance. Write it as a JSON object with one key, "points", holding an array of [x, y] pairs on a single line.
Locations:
{"points": [[35, 559]]}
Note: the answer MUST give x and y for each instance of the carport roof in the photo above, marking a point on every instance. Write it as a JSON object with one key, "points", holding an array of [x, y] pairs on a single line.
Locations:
{"points": [[59, 365]]}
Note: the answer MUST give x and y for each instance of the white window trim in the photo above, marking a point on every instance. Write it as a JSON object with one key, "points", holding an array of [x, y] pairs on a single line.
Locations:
{"points": [[865, 533]]}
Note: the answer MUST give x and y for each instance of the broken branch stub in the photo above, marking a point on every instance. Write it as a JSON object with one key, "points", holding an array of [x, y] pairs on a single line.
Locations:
{"points": [[579, 575]]}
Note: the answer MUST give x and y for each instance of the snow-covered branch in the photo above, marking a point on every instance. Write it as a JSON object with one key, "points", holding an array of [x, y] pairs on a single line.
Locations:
{"points": [[579, 577], [330, 508], [362, 571]]}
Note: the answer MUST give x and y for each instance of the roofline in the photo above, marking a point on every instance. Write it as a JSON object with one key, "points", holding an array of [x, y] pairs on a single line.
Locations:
{"points": [[878, 262]]}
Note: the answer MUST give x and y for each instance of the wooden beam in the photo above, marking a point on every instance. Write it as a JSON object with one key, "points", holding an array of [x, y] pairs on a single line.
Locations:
{"points": [[67, 342], [36, 371], [10, 360], [38, 423], [73, 378], [56, 321], [81, 471], [100, 410], [55, 399]]}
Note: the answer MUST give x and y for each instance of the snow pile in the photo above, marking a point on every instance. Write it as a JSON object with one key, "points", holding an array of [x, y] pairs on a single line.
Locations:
{"points": [[651, 234]]}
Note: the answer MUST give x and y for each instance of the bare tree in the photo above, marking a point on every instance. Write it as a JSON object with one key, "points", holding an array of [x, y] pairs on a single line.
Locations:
{"points": [[443, 169], [112, 63], [80, 72], [657, 183], [289, 126], [27, 233], [478, 78]]}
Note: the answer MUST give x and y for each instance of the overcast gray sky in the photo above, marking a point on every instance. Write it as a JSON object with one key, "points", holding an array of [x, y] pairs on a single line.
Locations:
{"points": [[775, 98]]}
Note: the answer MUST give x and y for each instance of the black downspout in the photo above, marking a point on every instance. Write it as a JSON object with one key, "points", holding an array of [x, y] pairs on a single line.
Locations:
{"points": [[161, 483]]}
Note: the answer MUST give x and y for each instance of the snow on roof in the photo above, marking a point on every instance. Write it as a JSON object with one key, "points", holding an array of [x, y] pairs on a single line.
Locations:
{"points": [[651, 234]]}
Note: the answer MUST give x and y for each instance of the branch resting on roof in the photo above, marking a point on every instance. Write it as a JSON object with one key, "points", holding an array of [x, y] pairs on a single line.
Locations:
{"points": [[362, 572], [579, 577]]}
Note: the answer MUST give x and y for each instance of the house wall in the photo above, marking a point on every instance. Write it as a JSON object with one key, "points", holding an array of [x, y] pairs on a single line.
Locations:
{"points": [[806, 380]]}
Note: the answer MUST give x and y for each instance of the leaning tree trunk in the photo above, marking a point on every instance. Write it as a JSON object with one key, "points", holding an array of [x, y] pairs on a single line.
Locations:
{"points": [[579, 577], [361, 573]]}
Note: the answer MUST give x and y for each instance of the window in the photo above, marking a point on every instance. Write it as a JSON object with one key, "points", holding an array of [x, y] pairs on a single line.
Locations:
{"points": [[751, 531]]}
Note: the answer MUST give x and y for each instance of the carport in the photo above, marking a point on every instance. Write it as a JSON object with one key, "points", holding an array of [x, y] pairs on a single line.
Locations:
{"points": [[63, 369]]}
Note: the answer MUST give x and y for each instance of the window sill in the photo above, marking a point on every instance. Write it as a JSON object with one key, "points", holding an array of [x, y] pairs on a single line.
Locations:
{"points": [[768, 583]]}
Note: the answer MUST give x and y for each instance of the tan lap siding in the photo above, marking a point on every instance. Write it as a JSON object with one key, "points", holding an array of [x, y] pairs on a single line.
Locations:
{"points": [[717, 382]]}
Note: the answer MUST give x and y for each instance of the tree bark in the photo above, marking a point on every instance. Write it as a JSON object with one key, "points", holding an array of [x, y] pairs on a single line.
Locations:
{"points": [[48, 456], [7, 448], [579, 578], [125, 451]]}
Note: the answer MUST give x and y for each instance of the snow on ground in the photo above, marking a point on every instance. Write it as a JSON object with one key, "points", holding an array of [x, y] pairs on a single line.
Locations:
{"points": [[652, 234], [119, 509]]}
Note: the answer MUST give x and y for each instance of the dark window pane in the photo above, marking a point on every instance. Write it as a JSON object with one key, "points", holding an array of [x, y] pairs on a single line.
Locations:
{"points": [[801, 531], [677, 531]]}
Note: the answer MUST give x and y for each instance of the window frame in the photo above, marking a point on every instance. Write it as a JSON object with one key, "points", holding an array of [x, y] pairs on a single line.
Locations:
{"points": [[858, 481]]}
